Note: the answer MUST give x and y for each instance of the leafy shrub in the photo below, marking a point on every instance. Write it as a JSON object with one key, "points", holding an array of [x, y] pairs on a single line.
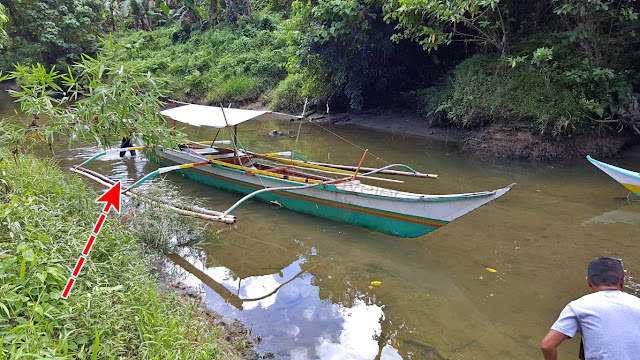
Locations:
{"points": [[482, 89], [239, 87], [288, 95]]}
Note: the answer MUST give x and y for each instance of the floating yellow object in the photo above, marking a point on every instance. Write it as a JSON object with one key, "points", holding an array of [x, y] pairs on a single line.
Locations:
{"points": [[491, 270], [218, 231], [481, 278], [376, 282]]}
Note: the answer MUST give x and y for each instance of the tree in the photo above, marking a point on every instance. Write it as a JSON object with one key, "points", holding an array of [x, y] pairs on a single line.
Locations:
{"points": [[101, 102], [144, 14], [436, 22], [3, 20], [597, 26], [53, 31], [329, 36]]}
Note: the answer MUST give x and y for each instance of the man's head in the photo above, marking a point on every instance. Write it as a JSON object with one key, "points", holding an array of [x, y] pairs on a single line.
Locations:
{"points": [[605, 272]]}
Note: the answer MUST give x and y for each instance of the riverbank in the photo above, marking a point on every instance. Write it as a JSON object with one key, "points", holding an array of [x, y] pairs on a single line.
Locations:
{"points": [[512, 141], [117, 308], [403, 123], [515, 140]]}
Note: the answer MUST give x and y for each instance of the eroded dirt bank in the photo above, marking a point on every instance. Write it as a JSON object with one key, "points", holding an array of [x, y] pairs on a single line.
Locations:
{"points": [[513, 141], [518, 142]]}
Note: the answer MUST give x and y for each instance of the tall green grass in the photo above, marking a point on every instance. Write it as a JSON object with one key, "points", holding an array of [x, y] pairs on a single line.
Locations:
{"points": [[218, 65], [115, 309]]}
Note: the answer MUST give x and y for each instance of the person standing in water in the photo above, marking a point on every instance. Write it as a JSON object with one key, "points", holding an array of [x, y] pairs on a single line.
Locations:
{"points": [[608, 318], [126, 142]]}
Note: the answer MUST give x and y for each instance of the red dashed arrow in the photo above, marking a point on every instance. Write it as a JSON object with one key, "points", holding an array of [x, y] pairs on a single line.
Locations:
{"points": [[112, 199]]}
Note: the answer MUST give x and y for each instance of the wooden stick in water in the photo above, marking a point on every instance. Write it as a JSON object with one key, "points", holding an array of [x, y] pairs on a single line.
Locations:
{"points": [[139, 195]]}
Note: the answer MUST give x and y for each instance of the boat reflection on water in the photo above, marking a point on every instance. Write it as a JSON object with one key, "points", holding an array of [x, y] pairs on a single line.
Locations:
{"points": [[290, 310], [628, 214]]}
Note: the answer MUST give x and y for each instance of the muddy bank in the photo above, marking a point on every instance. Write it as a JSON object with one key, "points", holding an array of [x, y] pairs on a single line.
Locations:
{"points": [[404, 123], [512, 141], [516, 141]]}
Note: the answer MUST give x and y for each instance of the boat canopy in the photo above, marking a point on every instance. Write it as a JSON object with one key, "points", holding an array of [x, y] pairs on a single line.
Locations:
{"points": [[212, 116]]}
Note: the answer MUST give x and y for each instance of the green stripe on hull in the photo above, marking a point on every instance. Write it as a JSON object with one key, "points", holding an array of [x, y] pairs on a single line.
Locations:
{"points": [[377, 220]]}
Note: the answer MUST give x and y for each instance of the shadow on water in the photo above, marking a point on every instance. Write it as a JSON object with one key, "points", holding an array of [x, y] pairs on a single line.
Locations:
{"points": [[627, 214]]}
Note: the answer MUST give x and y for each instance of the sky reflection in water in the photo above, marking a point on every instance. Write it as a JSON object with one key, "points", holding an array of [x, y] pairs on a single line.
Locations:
{"points": [[294, 322]]}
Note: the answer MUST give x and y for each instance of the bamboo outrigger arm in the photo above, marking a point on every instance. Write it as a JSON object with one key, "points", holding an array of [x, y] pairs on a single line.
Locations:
{"points": [[282, 188], [164, 170], [187, 211], [383, 170]]}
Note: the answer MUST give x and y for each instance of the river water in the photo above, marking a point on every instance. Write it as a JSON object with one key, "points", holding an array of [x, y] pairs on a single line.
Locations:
{"points": [[303, 284]]}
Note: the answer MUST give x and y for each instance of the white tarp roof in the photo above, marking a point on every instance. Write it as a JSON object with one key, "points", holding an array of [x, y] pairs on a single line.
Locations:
{"points": [[212, 116]]}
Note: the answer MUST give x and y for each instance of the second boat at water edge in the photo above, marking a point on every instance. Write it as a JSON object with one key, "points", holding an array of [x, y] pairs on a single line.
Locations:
{"points": [[627, 178], [323, 190]]}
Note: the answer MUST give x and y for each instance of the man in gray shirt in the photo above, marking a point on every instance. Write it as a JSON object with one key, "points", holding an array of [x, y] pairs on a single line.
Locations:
{"points": [[608, 319]]}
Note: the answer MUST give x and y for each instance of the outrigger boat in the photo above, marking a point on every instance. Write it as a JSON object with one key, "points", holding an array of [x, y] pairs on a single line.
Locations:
{"points": [[627, 178], [335, 192]]}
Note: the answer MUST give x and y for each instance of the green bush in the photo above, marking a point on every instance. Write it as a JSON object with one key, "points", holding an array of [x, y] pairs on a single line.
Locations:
{"points": [[484, 89], [288, 94]]}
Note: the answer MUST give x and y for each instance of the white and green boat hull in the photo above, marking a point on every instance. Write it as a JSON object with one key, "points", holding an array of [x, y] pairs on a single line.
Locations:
{"points": [[378, 209], [627, 178]]}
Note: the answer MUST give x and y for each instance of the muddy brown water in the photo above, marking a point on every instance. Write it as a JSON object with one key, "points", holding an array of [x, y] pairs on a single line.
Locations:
{"points": [[303, 284]]}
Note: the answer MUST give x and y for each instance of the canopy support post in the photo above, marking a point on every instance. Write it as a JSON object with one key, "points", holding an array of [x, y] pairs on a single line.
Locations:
{"points": [[304, 109], [360, 164], [233, 134]]}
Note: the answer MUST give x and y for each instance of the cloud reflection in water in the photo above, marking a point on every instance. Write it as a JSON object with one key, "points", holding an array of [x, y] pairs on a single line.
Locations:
{"points": [[294, 322]]}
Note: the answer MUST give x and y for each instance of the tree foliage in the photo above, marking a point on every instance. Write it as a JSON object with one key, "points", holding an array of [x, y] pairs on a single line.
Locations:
{"points": [[3, 20], [435, 22], [100, 102], [349, 54], [597, 26], [52, 31], [343, 50]]}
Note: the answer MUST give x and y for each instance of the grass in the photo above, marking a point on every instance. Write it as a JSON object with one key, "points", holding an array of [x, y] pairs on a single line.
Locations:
{"points": [[218, 65], [115, 309], [481, 90]]}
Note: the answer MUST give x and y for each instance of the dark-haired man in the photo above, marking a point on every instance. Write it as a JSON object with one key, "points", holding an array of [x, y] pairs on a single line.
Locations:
{"points": [[608, 319]]}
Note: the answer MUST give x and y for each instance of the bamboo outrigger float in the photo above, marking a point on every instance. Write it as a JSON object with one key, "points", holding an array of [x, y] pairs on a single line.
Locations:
{"points": [[335, 192]]}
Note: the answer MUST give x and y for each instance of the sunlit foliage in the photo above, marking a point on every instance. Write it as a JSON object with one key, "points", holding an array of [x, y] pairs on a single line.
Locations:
{"points": [[99, 101]]}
